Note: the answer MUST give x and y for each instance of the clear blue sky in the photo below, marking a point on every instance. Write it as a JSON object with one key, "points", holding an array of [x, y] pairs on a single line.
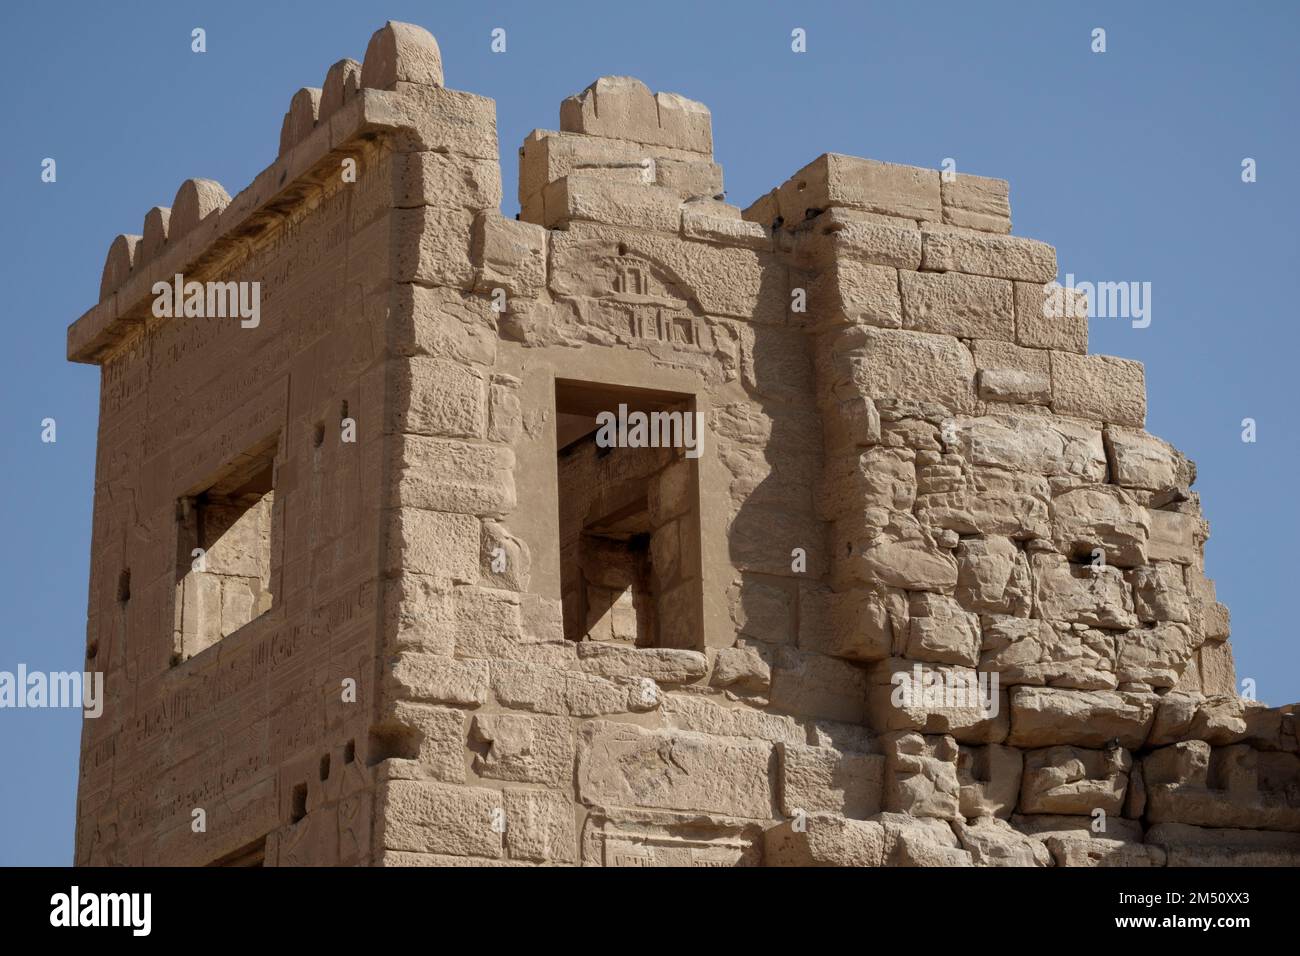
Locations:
{"points": [[1128, 162]]}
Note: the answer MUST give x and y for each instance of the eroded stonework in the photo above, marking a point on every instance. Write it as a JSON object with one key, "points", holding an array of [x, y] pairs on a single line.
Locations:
{"points": [[367, 589]]}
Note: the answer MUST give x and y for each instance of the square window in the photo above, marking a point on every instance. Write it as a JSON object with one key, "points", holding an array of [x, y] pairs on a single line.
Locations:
{"points": [[629, 523], [225, 537]]}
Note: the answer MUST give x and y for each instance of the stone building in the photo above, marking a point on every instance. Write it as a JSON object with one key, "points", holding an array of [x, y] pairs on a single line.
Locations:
{"points": [[368, 587]]}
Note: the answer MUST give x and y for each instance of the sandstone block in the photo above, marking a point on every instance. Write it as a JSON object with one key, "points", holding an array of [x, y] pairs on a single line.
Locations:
{"points": [[833, 179], [977, 202], [523, 748], [1051, 317], [966, 306], [982, 254], [1043, 717], [825, 780], [1099, 387], [622, 765]]}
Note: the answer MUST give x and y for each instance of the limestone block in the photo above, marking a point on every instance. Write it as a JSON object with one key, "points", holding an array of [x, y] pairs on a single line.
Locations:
{"points": [[1101, 517], [433, 246], [661, 664], [993, 576], [857, 293], [1143, 461], [1081, 593], [921, 775], [879, 477], [549, 690], [701, 224], [1009, 373], [989, 777], [947, 699], [833, 179], [1159, 593], [1155, 655], [1033, 444], [439, 751], [940, 631], [622, 765], [1174, 537], [438, 680], [1029, 651], [622, 107], [966, 306], [438, 397], [445, 323], [695, 178], [539, 826], [977, 202], [857, 624], [453, 476], [815, 686], [1074, 780], [434, 543], [840, 235], [982, 254], [522, 748], [1099, 387], [1044, 716], [687, 711], [744, 667], [888, 363], [1051, 317], [921, 841], [401, 53], [509, 255], [437, 178], [826, 780], [825, 839], [424, 817], [990, 501], [994, 842], [1217, 668], [581, 196]]}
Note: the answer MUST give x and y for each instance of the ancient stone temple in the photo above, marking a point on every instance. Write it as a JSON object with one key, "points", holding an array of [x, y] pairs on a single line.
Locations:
{"points": [[639, 530]]}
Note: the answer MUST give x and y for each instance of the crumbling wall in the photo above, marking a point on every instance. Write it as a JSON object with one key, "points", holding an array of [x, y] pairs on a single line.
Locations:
{"points": [[910, 466]]}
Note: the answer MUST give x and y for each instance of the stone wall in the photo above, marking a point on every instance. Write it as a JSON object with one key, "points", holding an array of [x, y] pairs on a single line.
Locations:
{"points": [[566, 653]]}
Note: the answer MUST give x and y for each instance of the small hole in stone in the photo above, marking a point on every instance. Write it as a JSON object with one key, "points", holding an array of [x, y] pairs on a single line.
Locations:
{"points": [[124, 586], [350, 751], [299, 809], [325, 767], [622, 249], [318, 438]]}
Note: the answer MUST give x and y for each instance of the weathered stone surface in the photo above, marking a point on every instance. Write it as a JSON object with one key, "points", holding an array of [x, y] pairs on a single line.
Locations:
{"points": [[1100, 387], [1001, 257], [960, 305], [1043, 717], [622, 765], [825, 780]]}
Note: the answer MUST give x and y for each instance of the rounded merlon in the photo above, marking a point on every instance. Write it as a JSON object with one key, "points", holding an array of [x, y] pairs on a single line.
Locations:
{"points": [[194, 202], [401, 53], [118, 264]]}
